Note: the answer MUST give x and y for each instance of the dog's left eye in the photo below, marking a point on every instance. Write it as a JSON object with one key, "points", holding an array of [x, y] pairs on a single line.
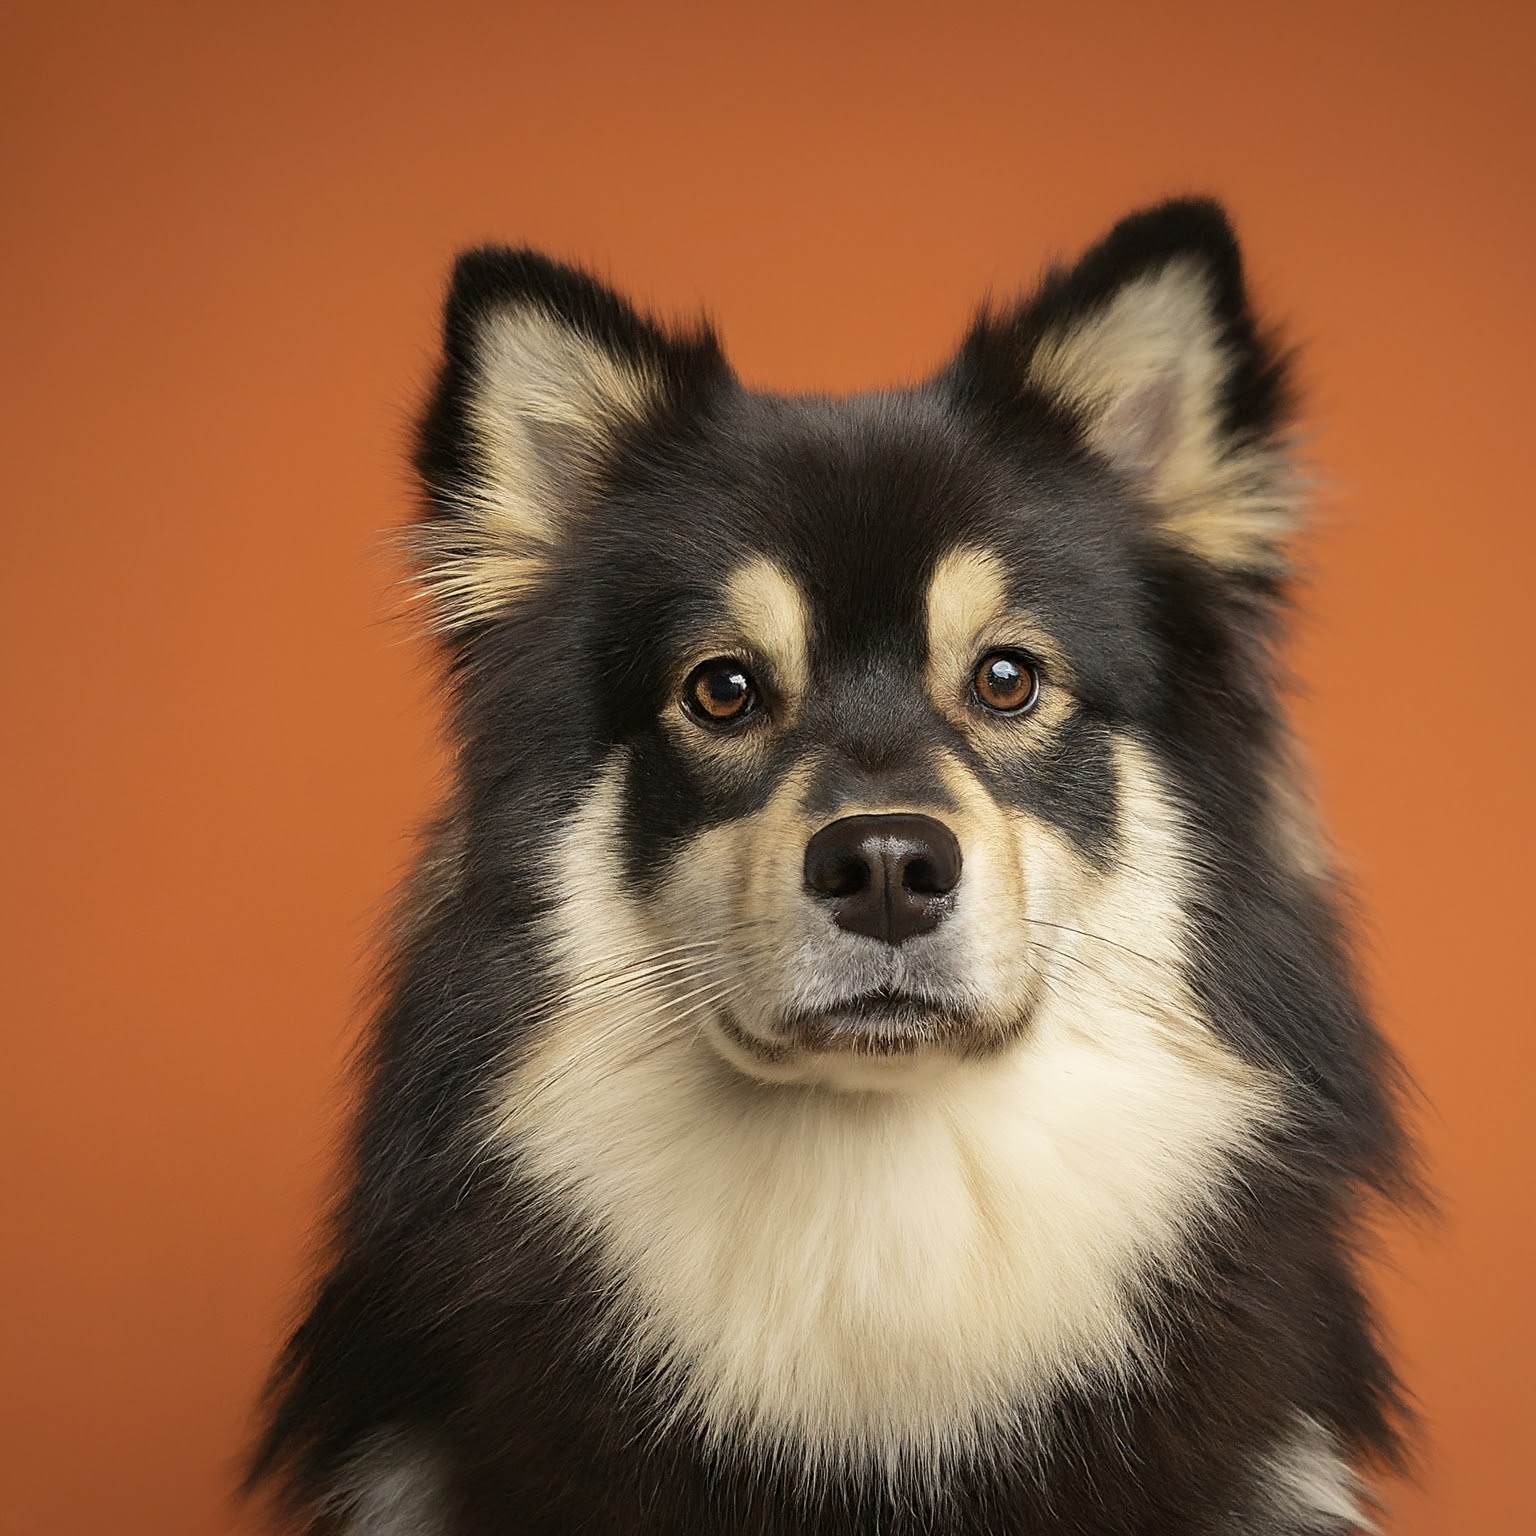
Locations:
{"points": [[1006, 683], [719, 692]]}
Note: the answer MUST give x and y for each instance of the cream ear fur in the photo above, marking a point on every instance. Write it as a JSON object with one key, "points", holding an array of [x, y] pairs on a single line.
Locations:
{"points": [[1145, 375], [547, 406]]}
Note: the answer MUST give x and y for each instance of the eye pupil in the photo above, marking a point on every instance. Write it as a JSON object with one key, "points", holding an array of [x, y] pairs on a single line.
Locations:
{"points": [[723, 690], [719, 691], [1006, 683]]}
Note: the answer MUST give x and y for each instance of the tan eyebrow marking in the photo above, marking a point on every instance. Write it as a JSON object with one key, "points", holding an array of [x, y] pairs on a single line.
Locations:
{"points": [[769, 609], [969, 611], [966, 594]]}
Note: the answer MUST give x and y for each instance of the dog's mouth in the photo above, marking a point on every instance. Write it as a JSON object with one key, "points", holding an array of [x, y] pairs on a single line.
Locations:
{"points": [[871, 1040], [887, 1022]]}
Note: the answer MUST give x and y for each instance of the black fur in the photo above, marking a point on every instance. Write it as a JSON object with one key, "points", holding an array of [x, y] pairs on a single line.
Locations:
{"points": [[452, 1310]]}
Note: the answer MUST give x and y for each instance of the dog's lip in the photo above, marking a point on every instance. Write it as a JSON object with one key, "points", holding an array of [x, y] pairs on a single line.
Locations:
{"points": [[886, 1003], [872, 1022], [892, 1025]]}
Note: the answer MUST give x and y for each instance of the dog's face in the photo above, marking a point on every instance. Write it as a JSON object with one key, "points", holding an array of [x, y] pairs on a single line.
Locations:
{"points": [[867, 712], [868, 722]]}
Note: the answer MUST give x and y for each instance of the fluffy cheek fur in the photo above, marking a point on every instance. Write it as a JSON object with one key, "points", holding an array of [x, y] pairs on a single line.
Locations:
{"points": [[879, 1279]]}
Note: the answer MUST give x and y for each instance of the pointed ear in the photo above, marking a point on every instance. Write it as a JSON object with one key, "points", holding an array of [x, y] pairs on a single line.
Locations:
{"points": [[1148, 349], [548, 377]]}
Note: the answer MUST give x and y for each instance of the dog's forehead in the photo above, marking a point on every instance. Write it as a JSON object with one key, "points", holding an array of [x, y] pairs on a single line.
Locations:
{"points": [[839, 532], [856, 503]]}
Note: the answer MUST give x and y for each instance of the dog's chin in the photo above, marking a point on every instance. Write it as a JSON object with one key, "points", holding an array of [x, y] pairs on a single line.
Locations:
{"points": [[869, 1044]]}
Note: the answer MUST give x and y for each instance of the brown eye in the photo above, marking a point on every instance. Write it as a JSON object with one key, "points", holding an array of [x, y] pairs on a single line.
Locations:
{"points": [[1006, 682], [719, 692]]}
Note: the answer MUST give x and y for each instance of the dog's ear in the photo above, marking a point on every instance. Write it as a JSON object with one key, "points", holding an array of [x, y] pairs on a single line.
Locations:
{"points": [[1147, 349], [548, 379]]}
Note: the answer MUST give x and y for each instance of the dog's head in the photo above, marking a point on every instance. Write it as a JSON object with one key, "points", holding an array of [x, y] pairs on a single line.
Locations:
{"points": [[836, 731]]}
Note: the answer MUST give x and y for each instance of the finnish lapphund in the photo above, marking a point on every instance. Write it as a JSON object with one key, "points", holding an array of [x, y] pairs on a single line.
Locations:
{"points": [[870, 1044]]}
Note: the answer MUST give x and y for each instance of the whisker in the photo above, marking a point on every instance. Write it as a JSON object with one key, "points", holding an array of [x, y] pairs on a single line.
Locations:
{"points": [[1146, 1001], [655, 1018], [1099, 938], [639, 968], [655, 1025]]}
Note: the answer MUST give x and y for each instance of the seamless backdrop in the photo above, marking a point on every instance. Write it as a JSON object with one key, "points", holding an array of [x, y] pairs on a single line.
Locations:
{"points": [[225, 231]]}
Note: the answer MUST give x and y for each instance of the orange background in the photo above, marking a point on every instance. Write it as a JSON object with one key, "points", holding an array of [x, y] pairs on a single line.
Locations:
{"points": [[226, 232]]}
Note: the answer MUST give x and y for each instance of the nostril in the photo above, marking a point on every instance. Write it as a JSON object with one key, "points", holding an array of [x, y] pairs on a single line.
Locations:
{"points": [[930, 863], [836, 865], [836, 872], [921, 877]]}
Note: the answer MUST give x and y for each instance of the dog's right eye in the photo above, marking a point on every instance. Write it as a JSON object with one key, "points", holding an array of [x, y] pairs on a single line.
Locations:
{"points": [[719, 692]]}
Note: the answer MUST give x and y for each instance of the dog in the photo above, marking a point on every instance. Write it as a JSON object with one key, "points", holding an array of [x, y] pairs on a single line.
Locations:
{"points": [[871, 1043]]}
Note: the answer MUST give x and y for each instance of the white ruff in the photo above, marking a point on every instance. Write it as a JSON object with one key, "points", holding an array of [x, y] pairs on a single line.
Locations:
{"points": [[889, 1276]]}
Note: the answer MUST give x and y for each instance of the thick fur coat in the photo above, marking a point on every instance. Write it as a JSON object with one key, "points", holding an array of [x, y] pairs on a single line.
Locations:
{"points": [[870, 1045]]}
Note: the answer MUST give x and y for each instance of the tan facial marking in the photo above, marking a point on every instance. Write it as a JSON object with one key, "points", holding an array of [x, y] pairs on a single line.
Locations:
{"points": [[1003, 850], [758, 861], [967, 595], [767, 624], [969, 614], [769, 610]]}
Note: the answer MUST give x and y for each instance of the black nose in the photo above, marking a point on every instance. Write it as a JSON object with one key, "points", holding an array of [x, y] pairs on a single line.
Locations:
{"points": [[889, 877]]}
